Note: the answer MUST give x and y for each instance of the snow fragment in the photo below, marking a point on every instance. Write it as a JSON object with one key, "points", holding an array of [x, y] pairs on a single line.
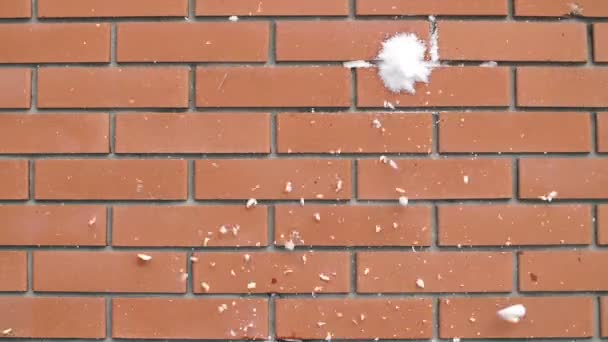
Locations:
{"points": [[513, 313], [490, 64], [456, 339], [465, 179], [328, 336], [324, 277], [472, 319], [193, 259], [403, 201], [223, 230], [7, 331], [251, 285], [205, 286], [206, 241], [222, 308], [339, 185], [290, 245], [402, 64], [420, 283], [302, 201], [320, 324], [376, 123], [304, 259], [357, 64], [366, 271], [575, 9], [378, 228], [92, 221], [317, 217], [549, 197], [400, 190], [288, 187], [144, 257], [247, 257], [252, 202], [232, 333], [233, 18], [388, 105]]}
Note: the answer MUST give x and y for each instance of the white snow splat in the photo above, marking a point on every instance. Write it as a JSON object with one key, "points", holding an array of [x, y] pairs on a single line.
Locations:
{"points": [[575, 9], [194, 259], [247, 257], [420, 283], [549, 197], [223, 230], [252, 202], [513, 313], [144, 257], [233, 18], [403, 201], [328, 337], [357, 64], [320, 324], [339, 185], [402, 64]]}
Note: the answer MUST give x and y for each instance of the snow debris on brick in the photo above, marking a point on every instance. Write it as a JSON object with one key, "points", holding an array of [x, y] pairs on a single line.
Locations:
{"points": [[92, 221], [7, 331], [304, 258], [389, 105], [233, 18], [548, 197], [288, 187], [376, 123], [247, 257], [575, 9], [490, 64], [302, 201], [317, 217], [434, 41], [223, 230], [252, 202], [339, 185], [222, 308], [403, 201], [144, 257], [513, 313], [420, 283], [290, 245], [205, 286], [193, 259], [465, 179], [366, 271], [357, 64], [252, 285], [320, 324], [324, 277], [390, 162], [328, 337]]}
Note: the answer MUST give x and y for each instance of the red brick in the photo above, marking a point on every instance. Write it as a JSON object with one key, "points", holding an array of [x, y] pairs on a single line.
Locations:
{"points": [[441, 7], [181, 318], [561, 87], [15, 9], [514, 132], [435, 179], [561, 8], [268, 178], [188, 226], [193, 42], [570, 178], [354, 132], [15, 88], [602, 132], [13, 271], [113, 87], [602, 222], [600, 42], [111, 179], [272, 87], [520, 225], [53, 225], [193, 133], [577, 271], [604, 316], [339, 40], [112, 8], [266, 272], [396, 272], [14, 183], [54, 43], [354, 225], [54, 133], [56, 271], [271, 7], [354, 318], [547, 317], [54, 317], [512, 41], [487, 87]]}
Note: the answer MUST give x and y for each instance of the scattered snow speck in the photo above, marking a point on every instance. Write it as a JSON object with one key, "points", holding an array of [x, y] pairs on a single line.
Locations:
{"points": [[206, 241], [7, 332], [378, 228], [357, 64], [420, 283], [324, 277], [223, 229], [513, 313], [366, 271], [320, 324], [251, 285], [222, 308], [232, 333], [402, 64], [205, 286], [549, 197], [290, 245], [233, 18], [490, 64], [400, 190], [575, 9], [193, 259], [144, 257], [304, 259], [302, 201], [472, 319], [376, 123], [339, 185], [389, 105], [403, 201], [252, 202], [465, 179], [247, 257], [288, 187], [92, 221], [456, 339], [328, 336], [317, 217]]}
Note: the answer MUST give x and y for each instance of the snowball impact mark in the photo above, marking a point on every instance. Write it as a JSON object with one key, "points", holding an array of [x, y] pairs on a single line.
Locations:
{"points": [[144, 257], [513, 313], [357, 64], [402, 64]]}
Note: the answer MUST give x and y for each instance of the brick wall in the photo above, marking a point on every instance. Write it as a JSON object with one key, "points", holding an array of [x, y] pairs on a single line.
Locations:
{"points": [[134, 132]]}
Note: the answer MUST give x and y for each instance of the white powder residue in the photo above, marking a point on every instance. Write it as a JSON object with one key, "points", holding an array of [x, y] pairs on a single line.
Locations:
{"points": [[357, 64], [402, 64]]}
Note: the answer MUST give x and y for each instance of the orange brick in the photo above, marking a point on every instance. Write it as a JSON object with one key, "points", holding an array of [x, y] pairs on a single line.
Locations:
{"points": [[569, 178], [354, 225], [193, 133], [193, 42], [604, 316], [437, 7], [339, 40], [577, 271], [181, 318], [13, 271], [396, 272], [268, 179], [548, 317], [514, 132], [54, 133], [435, 179], [126, 179], [272, 87], [271, 7], [112, 8], [15, 88], [99, 87], [188, 226], [53, 225], [54, 43], [354, 318], [600, 42], [602, 222], [512, 41], [506, 225], [14, 184], [602, 132], [561, 87], [561, 8], [15, 9], [56, 271], [263, 272], [54, 317], [488, 87], [354, 132]]}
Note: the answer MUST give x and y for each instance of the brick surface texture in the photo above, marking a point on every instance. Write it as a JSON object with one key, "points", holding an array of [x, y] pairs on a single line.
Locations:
{"points": [[210, 170]]}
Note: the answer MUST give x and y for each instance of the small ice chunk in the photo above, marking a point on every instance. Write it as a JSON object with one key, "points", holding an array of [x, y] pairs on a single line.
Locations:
{"points": [[144, 257], [357, 64], [549, 197], [420, 283], [513, 313], [252, 202], [403, 201], [233, 18], [324, 277], [489, 64], [251, 285]]}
